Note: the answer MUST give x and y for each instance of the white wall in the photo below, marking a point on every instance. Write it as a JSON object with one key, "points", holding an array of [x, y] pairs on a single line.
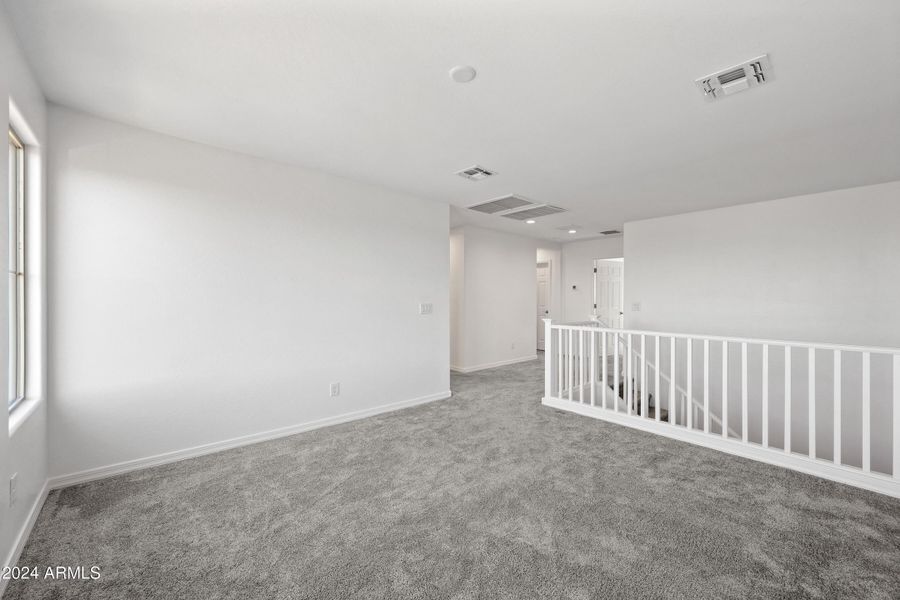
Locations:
{"points": [[201, 295], [823, 267], [23, 436], [578, 271], [496, 280], [820, 268]]}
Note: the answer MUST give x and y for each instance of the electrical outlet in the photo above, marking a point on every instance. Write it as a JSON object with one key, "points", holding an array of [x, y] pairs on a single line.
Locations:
{"points": [[335, 390], [512, 346], [636, 307], [13, 489], [426, 308]]}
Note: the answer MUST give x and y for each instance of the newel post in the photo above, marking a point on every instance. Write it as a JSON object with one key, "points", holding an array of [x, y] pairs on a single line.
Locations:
{"points": [[548, 358]]}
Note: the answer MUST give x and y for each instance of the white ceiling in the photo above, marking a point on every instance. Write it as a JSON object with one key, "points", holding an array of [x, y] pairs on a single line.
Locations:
{"points": [[588, 105]]}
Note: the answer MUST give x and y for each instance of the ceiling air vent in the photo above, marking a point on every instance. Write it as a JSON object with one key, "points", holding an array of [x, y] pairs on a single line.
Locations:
{"points": [[610, 232], [532, 213], [504, 203], [735, 79], [475, 173]]}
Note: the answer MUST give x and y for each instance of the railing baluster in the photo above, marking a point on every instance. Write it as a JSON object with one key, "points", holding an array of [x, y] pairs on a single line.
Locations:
{"points": [[656, 378], [570, 369], [566, 358], [559, 356], [866, 412], [615, 386], [812, 403], [725, 389], [765, 396], [548, 359], [690, 383], [643, 392], [787, 399], [629, 372], [604, 367], [593, 367], [581, 366], [896, 431], [837, 407], [706, 386], [744, 429], [672, 419]]}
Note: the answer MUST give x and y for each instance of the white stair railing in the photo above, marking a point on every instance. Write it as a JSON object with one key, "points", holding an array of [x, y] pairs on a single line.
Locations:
{"points": [[826, 409]]}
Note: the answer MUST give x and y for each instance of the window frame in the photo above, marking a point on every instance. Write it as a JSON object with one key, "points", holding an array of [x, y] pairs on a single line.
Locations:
{"points": [[16, 269]]}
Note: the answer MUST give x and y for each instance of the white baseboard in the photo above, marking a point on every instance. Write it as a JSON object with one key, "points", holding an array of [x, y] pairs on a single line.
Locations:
{"points": [[19, 545], [62, 481], [875, 482], [501, 363]]}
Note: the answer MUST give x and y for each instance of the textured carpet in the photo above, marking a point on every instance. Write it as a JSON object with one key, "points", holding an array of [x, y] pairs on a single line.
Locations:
{"points": [[485, 495]]}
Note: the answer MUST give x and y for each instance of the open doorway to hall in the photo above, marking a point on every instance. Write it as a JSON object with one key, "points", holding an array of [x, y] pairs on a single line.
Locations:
{"points": [[609, 292]]}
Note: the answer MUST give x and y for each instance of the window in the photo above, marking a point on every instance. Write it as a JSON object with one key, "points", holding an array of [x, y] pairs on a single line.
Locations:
{"points": [[16, 270]]}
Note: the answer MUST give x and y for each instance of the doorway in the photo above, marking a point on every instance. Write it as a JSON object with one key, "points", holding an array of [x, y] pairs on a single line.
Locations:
{"points": [[543, 300], [609, 291]]}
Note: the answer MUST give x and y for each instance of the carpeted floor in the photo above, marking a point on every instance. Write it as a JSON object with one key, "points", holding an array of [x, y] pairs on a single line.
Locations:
{"points": [[485, 495]]}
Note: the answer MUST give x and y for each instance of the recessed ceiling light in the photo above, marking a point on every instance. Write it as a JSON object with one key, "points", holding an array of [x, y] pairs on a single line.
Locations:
{"points": [[462, 73], [573, 231], [530, 222]]}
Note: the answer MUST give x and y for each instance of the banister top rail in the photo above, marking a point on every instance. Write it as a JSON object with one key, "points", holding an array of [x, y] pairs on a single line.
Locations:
{"points": [[719, 338]]}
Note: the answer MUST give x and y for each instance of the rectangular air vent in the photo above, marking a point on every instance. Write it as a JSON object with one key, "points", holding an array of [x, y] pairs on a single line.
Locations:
{"points": [[475, 173], [735, 79], [497, 205], [730, 76], [535, 212], [610, 232]]}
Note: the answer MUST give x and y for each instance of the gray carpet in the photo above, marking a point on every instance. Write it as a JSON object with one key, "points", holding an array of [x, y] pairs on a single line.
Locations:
{"points": [[486, 495]]}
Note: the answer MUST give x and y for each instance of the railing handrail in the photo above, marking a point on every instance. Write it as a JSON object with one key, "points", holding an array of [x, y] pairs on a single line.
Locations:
{"points": [[720, 338]]}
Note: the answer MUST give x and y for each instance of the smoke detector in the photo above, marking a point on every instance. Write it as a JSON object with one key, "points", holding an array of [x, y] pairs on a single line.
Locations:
{"points": [[750, 74], [463, 73], [475, 173]]}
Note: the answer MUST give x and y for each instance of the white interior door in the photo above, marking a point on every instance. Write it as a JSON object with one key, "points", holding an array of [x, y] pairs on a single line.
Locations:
{"points": [[543, 300], [609, 292]]}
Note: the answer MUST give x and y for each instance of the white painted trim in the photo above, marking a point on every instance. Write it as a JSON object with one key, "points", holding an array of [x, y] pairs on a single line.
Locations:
{"points": [[62, 481], [875, 482], [24, 532], [501, 363]]}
